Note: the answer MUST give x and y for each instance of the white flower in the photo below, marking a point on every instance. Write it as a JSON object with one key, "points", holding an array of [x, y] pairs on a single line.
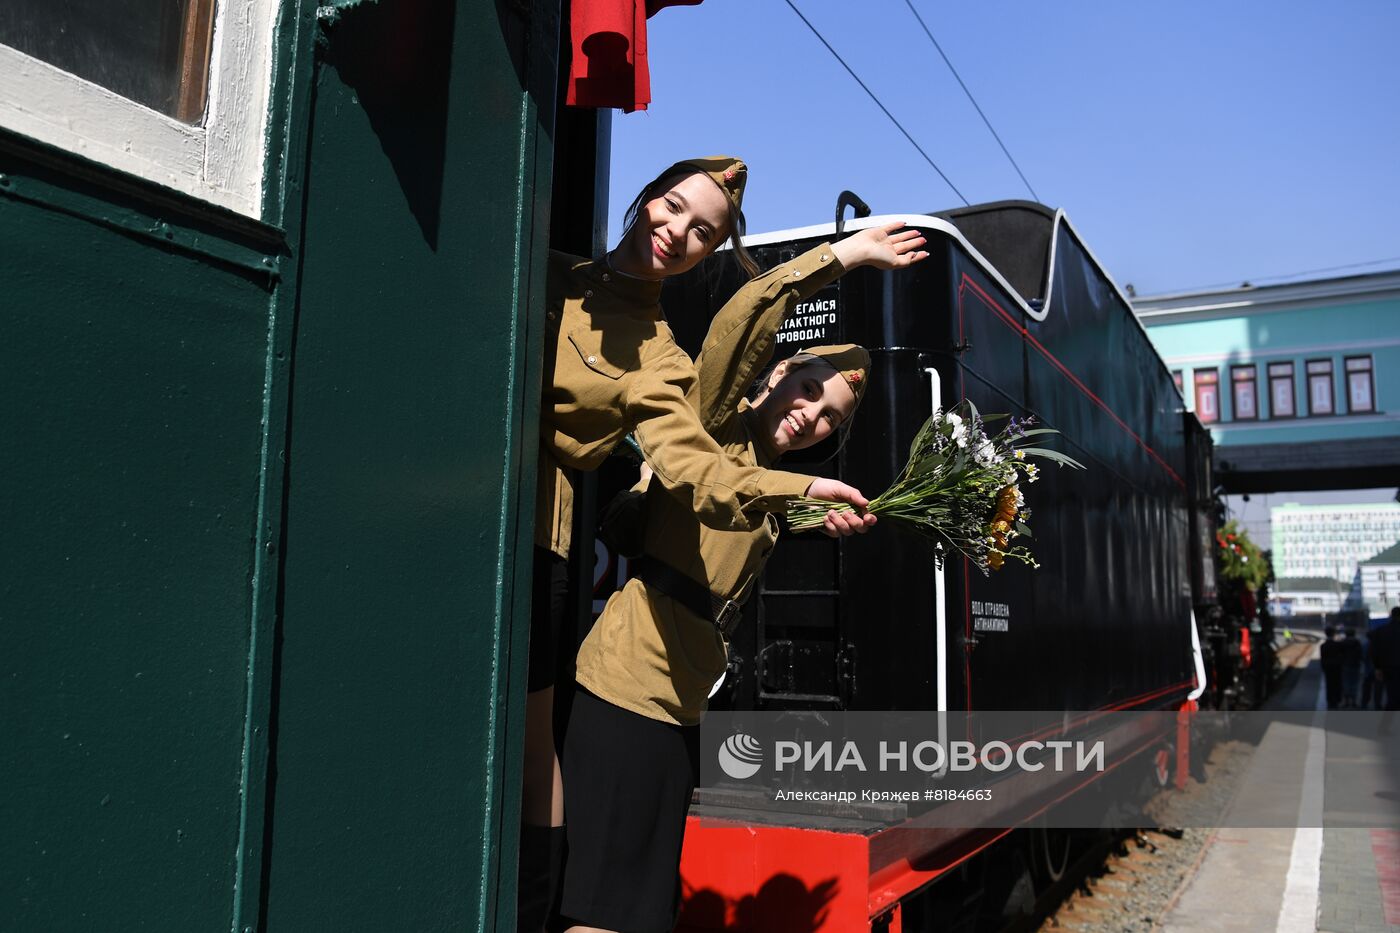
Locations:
{"points": [[985, 453], [959, 430], [1020, 455]]}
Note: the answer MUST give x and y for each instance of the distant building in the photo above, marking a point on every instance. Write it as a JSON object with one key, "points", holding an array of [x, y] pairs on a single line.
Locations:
{"points": [[1295, 596], [1377, 583], [1299, 383], [1330, 540]]}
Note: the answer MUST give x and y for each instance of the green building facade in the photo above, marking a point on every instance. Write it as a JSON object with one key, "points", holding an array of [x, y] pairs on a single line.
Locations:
{"points": [[1299, 383]]}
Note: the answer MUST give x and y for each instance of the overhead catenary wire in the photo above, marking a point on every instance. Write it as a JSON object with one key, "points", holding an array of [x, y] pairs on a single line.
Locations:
{"points": [[975, 105], [883, 108], [1283, 275]]}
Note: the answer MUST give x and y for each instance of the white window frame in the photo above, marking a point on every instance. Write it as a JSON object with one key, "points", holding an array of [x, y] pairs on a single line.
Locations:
{"points": [[1282, 380], [1238, 391], [1369, 371], [220, 161], [1329, 379]]}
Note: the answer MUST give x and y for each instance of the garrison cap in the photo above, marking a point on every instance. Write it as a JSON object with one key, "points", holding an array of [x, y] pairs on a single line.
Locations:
{"points": [[726, 171], [851, 361]]}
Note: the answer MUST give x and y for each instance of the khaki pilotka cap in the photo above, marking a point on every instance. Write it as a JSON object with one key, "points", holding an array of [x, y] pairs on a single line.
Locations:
{"points": [[729, 173], [851, 361]]}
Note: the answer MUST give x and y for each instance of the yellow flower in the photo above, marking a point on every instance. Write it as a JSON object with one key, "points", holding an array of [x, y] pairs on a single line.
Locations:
{"points": [[1006, 504]]}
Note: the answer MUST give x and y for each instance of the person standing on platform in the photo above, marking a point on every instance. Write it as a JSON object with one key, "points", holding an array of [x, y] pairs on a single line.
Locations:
{"points": [[1352, 657], [1372, 689], [1331, 653], [1385, 648]]}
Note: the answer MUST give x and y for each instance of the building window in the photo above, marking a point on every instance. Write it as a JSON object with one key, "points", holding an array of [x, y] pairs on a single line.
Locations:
{"points": [[171, 91], [1361, 385], [1281, 397], [1320, 387], [1207, 395], [1244, 389], [1176, 377]]}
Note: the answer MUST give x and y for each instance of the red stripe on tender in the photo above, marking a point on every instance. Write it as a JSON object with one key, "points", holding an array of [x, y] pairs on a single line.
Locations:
{"points": [[1006, 318], [1385, 845]]}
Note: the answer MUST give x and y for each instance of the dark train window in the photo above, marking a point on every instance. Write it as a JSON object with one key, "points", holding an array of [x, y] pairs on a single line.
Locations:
{"points": [[1207, 395], [1282, 401], [155, 52], [172, 91], [1244, 392], [1361, 385], [1320, 387]]}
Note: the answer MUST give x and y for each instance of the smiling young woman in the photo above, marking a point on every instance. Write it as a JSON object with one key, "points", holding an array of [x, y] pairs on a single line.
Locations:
{"points": [[795, 413], [660, 647], [680, 222]]}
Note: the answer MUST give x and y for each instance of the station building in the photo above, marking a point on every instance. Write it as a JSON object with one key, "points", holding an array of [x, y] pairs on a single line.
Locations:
{"points": [[1330, 540], [1299, 596], [1377, 584], [1299, 383]]}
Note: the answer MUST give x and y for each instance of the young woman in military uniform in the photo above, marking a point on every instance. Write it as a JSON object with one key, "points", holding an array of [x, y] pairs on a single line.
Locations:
{"points": [[652, 658], [612, 367]]}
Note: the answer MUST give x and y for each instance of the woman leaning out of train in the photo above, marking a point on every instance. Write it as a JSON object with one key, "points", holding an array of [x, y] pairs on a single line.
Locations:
{"points": [[652, 659], [612, 367]]}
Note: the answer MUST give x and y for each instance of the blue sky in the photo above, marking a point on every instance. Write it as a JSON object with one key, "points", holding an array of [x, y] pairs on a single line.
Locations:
{"points": [[1191, 143]]}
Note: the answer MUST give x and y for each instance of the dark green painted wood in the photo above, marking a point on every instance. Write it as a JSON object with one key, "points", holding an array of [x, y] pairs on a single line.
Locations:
{"points": [[410, 474], [135, 385]]}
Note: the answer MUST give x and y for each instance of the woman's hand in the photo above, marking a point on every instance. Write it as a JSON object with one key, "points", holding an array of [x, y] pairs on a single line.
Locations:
{"points": [[889, 247], [843, 523]]}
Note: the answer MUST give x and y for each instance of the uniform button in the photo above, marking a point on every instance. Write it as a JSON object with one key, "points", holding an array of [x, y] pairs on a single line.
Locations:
{"points": [[797, 273], [592, 360], [606, 277], [825, 257], [552, 316], [588, 293]]}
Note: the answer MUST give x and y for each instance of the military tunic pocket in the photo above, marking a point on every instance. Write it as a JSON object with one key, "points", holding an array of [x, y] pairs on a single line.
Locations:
{"points": [[589, 345]]}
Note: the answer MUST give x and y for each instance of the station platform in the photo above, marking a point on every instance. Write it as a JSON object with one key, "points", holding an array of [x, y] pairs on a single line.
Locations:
{"points": [[1304, 879]]}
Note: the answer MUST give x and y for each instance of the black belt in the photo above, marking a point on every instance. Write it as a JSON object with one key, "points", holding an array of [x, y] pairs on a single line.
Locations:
{"points": [[696, 597]]}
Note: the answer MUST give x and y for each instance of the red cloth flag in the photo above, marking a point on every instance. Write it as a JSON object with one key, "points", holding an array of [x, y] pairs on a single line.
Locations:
{"points": [[609, 41]]}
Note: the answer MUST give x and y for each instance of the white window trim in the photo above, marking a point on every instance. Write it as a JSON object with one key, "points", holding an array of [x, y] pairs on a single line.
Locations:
{"points": [[220, 161]]}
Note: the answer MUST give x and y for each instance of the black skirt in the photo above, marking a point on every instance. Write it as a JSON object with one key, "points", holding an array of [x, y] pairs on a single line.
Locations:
{"points": [[627, 786]]}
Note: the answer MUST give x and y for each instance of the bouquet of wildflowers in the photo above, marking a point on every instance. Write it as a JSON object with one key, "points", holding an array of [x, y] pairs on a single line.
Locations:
{"points": [[960, 488]]}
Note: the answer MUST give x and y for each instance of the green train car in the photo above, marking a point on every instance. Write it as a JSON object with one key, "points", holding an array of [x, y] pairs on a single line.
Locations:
{"points": [[272, 286]]}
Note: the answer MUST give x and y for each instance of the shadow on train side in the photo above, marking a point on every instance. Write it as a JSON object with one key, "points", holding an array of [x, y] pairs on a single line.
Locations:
{"points": [[783, 904], [398, 59]]}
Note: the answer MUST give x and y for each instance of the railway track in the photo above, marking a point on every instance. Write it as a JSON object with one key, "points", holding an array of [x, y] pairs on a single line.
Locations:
{"points": [[1129, 879]]}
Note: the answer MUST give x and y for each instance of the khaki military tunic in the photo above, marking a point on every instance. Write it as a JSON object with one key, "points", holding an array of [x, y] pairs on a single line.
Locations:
{"points": [[647, 653], [612, 367]]}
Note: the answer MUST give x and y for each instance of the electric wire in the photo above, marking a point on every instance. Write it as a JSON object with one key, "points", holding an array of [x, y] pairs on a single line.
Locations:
{"points": [[975, 105], [1283, 275], [883, 108]]}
